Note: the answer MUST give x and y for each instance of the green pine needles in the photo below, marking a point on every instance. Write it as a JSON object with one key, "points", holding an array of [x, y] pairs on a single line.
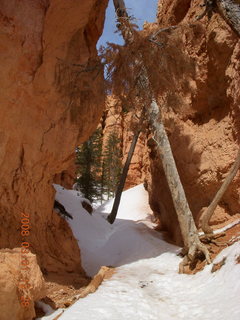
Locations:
{"points": [[112, 165], [99, 166]]}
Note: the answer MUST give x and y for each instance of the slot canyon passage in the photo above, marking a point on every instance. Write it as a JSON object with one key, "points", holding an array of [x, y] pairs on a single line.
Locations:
{"points": [[53, 97]]}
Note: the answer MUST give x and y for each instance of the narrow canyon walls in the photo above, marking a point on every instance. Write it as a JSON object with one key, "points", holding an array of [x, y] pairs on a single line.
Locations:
{"points": [[200, 95], [51, 99]]}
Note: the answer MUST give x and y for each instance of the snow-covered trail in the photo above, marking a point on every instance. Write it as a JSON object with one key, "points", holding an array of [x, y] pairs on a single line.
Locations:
{"points": [[147, 284], [152, 289], [127, 240]]}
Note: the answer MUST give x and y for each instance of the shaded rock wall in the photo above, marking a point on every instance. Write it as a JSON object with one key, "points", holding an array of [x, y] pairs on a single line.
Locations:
{"points": [[67, 177], [199, 91], [122, 122], [52, 97]]}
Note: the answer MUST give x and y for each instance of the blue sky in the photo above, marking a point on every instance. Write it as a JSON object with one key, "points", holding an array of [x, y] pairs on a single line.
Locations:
{"points": [[142, 10]]}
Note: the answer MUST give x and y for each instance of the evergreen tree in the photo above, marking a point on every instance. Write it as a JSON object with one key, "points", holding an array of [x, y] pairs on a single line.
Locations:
{"points": [[88, 160], [99, 169], [112, 164]]}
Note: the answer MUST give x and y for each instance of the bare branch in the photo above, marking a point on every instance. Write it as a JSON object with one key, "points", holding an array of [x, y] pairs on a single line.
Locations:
{"points": [[163, 30], [210, 210]]}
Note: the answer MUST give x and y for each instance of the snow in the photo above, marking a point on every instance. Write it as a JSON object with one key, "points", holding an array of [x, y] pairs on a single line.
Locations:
{"points": [[230, 225], [146, 284], [133, 206], [152, 289], [125, 241]]}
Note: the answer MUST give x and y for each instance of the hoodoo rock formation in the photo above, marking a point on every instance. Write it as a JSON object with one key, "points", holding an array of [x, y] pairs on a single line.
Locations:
{"points": [[52, 98], [199, 91]]}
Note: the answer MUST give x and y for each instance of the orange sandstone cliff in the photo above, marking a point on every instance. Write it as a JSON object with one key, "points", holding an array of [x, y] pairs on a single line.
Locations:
{"points": [[52, 98], [199, 89]]}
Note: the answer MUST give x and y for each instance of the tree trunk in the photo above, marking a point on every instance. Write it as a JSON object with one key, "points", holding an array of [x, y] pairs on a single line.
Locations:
{"points": [[230, 11], [187, 225], [210, 210], [120, 8], [188, 228], [112, 216]]}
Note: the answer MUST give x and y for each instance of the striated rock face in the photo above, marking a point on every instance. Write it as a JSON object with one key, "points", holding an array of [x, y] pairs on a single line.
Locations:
{"points": [[52, 97], [10, 295], [200, 95]]}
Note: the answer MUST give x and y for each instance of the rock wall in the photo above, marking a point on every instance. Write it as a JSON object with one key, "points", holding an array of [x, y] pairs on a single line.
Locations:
{"points": [[121, 122], [67, 177], [52, 98], [199, 93], [10, 296]]}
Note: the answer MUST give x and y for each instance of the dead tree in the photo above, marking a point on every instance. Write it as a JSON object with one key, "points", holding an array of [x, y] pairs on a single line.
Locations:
{"points": [[211, 208], [112, 216], [228, 9], [230, 12], [192, 243]]}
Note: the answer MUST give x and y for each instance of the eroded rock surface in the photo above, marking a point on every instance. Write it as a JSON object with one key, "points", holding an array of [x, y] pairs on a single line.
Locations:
{"points": [[199, 91], [11, 272], [52, 97]]}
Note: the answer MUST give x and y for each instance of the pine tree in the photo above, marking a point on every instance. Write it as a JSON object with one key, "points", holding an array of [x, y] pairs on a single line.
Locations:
{"points": [[88, 160], [99, 169], [112, 164]]}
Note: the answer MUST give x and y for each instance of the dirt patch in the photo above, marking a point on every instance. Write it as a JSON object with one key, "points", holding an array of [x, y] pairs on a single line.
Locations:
{"points": [[63, 291], [218, 266], [39, 312]]}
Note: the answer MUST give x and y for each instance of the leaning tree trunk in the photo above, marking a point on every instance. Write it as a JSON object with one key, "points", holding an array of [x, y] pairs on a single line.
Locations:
{"points": [[230, 11], [112, 216], [188, 228], [211, 208]]}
